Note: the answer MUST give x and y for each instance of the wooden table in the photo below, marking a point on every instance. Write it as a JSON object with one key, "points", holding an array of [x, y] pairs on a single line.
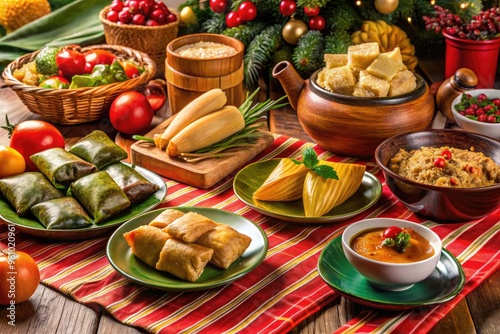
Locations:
{"points": [[49, 311]]}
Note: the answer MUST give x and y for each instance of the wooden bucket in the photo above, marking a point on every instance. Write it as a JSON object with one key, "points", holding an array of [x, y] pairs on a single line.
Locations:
{"points": [[187, 78]]}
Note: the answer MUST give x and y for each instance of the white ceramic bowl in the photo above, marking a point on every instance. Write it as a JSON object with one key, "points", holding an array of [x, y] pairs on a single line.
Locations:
{"points": [[385, 275], [488, 129]]}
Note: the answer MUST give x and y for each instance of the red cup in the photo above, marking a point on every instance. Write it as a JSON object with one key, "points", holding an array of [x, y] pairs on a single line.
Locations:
{"points": [[479, 56]]}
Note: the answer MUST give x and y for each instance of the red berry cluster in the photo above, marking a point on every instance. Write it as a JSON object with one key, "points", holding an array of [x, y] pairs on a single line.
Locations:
{"points": [[480, 108], [483, 26], [247, 11], [316, 21], [140, 12]]}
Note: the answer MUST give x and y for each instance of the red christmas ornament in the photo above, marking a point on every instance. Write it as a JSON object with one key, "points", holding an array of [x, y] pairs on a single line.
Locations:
{"points": [[317, 22], [247, 11], [311, 11], [288, 7], [218, 6], [233, 19]]}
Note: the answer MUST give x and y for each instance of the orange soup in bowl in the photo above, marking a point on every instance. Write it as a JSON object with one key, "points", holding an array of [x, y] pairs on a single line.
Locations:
{"points": [[392, 244]]}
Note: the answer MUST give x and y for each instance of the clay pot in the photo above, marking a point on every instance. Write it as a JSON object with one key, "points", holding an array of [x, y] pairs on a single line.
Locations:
{"points": [[349, 125]]}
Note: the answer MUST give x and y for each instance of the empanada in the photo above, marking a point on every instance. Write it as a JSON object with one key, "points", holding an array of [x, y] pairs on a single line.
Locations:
{"points": [[227, 243], [190, 226], [166, 217], [184, 260], [146, 243]]}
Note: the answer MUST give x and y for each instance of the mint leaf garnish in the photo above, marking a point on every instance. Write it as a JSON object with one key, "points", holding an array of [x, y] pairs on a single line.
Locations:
{"points": [[310, 161]]}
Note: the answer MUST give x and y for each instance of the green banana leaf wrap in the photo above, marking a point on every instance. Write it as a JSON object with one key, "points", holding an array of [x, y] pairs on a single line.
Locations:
{"points": [[99, 195], [62, 167], [133, 184], [75, 22], [98, 149], [27, 189], [61, 213]]}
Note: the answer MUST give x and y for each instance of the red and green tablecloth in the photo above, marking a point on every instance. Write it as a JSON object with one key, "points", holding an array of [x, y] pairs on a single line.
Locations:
{"points": [[281, 292]]}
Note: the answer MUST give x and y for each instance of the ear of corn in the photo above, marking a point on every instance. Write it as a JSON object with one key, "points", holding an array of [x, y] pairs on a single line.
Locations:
{"points": [[322, 195], [206, 131], [205, 104], [285, 183]]}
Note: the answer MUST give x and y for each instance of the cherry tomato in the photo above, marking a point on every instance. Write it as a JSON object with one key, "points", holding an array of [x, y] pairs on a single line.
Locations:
{"points": [[112, 16], [311, 11], [70, 62], [233, 19], [116, 5], [446, 154], [247, 11], [55, 82], [94, 57], [392, 232], [125, 16], [33, 136], [439, 162], [158, 15], [131, 113], [288, 7], [11, 162], [218, 6], [131, 69], [496, 102]]}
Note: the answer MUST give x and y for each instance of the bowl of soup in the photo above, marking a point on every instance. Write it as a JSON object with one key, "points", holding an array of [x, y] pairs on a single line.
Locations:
{"points": [[392, 254]]}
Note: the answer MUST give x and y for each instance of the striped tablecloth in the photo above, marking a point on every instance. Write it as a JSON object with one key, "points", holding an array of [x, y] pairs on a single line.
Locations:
{"points": [[273, 298]]}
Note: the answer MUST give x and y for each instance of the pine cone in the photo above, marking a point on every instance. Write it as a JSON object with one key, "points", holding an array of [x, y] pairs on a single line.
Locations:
{"points": [[388, 37]]}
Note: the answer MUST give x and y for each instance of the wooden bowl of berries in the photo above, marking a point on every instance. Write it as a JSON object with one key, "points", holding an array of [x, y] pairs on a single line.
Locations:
{"points": [[478, 111], [145, 25]]}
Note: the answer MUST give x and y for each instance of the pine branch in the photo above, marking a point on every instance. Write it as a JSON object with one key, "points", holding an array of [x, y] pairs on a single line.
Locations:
{"points": [[214, 25], [246, 32], [259, 53], [308, 54], [338, 42]]}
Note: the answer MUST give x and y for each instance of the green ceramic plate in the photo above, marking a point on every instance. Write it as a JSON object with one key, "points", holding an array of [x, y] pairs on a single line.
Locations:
{"points": [[30, 225], [445, 282], [250, 178], [121, 258]]}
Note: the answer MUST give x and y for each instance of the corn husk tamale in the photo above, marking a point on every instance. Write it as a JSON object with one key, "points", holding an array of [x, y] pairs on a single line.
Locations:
{"points": [[285, 183], [321, 195]]}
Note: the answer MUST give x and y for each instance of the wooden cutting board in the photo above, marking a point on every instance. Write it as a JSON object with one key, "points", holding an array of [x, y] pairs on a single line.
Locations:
{"points": [[201, 174]]}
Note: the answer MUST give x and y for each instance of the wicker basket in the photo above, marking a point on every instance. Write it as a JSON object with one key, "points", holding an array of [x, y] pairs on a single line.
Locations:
{"points": [[151, 40], [81, 105]]}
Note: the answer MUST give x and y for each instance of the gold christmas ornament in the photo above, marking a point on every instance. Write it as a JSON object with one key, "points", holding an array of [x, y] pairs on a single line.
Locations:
{"points": [[388, 38], [293, 30], [386, 6]]}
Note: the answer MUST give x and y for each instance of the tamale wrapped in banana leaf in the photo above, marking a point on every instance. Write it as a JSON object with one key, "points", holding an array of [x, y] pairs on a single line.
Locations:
{"points": [[98, 149], [61, 167], [61, 213], [99, 195], [285, 183], [133, 184], [27, 189], [321, 195]]}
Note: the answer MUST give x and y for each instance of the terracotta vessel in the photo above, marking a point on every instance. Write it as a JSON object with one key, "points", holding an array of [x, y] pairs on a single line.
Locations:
{"points": [[349, 125]]}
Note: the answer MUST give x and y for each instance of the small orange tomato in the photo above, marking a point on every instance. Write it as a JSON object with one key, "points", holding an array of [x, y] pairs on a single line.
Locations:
{"points": [[19, 275], [11, 162]]}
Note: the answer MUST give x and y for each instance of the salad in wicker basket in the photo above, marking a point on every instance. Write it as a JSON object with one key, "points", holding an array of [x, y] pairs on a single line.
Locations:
{"points": [[66, 91]]}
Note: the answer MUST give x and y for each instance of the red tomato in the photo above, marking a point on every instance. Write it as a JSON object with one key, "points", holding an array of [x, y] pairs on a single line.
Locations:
{"points": [[155, 93], [33, 136], [247, 11], [130, 69], [218, 6], [392, 232], [70, 62], [95, 57], [131, 113]]}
